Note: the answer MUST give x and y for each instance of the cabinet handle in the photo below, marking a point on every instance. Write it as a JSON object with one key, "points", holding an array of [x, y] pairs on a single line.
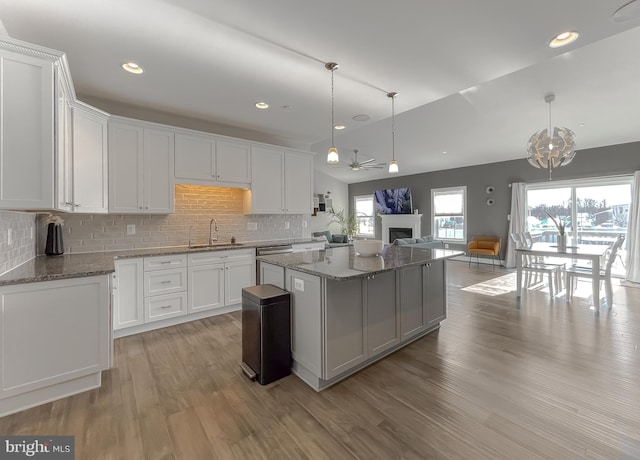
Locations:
{"points": [[164, 307], [146, 207], [165, 282], [165, 262], [140, 207]]}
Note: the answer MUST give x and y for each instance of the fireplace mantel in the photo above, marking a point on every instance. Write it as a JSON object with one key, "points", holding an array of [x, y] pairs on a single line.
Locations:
{"points": [[412, 221]]}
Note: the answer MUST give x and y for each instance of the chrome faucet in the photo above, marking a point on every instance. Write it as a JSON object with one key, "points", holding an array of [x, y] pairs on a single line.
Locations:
{"points": [[211, 238]]}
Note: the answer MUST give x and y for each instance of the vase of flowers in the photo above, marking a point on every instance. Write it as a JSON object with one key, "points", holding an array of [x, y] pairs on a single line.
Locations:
{"points": [[561, 239]]}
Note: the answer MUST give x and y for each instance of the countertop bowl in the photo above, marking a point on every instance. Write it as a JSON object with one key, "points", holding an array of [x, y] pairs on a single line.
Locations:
{"points": [[368, 248]]}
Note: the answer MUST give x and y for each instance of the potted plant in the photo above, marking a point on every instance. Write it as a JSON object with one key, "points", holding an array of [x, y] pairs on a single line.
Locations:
{"points": [[348, 224]]}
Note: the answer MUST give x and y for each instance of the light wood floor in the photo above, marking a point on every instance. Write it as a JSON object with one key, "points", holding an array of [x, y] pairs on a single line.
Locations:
{"points": [[499, 380]]}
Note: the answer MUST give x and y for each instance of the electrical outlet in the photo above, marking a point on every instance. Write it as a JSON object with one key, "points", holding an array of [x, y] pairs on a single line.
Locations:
{"points": [[252, 226], [298, 284], [304, 224], [131, 229], [446, 245], [286, 225], [9, 237]]}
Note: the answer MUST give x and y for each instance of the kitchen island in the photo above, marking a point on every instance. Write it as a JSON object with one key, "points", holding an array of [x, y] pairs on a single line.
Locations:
{"points": [[348, 311]]}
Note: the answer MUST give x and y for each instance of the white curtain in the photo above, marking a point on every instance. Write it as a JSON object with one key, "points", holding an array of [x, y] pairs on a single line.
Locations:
{"points": [[633, 242], [518, 222]]}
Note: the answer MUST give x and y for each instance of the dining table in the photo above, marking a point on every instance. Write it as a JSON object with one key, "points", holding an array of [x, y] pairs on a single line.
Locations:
{"points": [[580, 251]]}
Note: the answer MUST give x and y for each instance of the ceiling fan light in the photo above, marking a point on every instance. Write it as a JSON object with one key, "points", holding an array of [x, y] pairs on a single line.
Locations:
{"points": [[393, 167], [332, 155]]}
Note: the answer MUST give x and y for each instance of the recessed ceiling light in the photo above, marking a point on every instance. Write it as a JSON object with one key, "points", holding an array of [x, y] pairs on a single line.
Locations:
{"points": [[133, 68], [563, 39], [262, 105], [627, 12], [444, 152], [362, 117], [288, 107], [339, 127], [581, 124]]}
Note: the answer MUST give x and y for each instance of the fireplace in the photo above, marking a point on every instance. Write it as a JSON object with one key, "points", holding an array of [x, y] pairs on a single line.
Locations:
{"points": [[408, 224], [400, 232]]}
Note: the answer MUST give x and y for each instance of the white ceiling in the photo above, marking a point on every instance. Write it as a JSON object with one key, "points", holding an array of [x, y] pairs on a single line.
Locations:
{"points": [[471, 76]]}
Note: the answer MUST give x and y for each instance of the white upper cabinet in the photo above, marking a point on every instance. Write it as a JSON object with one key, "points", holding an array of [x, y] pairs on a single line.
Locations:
{"points": [[27, 82], [282, 182], [208, 160], [90, 160], [82, 168], [140, 168]]}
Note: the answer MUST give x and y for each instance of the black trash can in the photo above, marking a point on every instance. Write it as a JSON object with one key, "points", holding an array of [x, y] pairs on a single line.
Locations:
{"points": [[266, 333]]}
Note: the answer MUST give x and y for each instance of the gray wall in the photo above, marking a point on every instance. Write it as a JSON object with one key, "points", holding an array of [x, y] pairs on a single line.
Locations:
{"points": [[492, 220]]}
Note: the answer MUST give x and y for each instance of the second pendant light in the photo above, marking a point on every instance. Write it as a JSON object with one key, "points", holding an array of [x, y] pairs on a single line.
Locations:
{"points": [[393, 164]]}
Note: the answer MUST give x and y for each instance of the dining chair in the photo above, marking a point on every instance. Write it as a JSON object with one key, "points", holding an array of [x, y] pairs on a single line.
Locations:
{"points": [[606, 263], [531, 266]]}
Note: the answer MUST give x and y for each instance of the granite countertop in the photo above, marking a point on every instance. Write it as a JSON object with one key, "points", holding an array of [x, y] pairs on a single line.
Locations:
{"points": [[343, 263], [45, 268]]}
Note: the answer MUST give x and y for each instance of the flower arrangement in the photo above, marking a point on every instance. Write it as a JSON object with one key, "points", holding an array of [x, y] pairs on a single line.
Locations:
{"points": [[559, 224]]}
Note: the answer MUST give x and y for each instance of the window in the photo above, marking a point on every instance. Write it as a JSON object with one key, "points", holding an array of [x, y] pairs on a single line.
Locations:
{"points": [[448, 209], [364, 215]]}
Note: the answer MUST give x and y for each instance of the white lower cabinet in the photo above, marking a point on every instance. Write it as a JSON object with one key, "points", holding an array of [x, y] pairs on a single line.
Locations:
{"points": [[128, 297], [54, 340], [216, 278], [178, 288], [206, 287]]}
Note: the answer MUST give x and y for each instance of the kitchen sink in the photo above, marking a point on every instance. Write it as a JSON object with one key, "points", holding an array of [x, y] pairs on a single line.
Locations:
{"points": [[215, 245]]}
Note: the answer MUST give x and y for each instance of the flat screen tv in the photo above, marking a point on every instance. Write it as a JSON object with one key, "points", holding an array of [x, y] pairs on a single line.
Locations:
{"points": [[393, 201]]}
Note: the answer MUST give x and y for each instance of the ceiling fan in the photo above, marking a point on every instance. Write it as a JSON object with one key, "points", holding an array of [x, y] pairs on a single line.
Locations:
{"points": [[356, 165]]}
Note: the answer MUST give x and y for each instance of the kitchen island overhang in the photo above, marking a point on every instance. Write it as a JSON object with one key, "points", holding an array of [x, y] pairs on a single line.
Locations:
{"points": [[349, 311]]}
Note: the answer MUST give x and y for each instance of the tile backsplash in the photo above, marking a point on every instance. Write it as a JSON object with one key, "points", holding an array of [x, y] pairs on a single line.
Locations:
{"points": [[22, 248], [195, 206]]}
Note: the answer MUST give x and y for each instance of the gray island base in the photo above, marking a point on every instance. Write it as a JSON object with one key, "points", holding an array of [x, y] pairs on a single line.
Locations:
{"points": [[349, 311]]}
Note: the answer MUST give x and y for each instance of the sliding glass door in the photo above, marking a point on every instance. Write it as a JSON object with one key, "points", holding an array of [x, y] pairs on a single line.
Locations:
{"points": [[594, 211]]}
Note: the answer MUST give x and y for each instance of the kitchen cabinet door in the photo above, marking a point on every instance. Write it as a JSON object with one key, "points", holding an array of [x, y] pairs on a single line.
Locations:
{"points": [[125, 168], [206, 287], [128, 297], [238, 275], [64, 148], [194, 158], [383, 320], [26, 131], [435, 292], [90, 160], [412, 304], [158, 171], [233, 161], [345, 339], [267, 181], [140, 169], [298, 183]]}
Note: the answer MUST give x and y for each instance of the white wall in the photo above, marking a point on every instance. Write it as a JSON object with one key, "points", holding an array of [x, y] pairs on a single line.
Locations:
{"points": [[322, 183]]}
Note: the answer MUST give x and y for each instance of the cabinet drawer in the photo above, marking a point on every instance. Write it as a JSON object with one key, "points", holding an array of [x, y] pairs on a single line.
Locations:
{"points": [[164, 262], [165, 281], [165, 306], [216, 257]]}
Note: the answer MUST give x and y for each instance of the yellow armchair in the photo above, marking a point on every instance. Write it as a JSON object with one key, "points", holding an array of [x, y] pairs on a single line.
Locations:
{"points": [[486, 246]]}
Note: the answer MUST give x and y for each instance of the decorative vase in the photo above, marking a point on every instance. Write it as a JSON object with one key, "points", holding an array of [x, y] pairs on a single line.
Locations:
{"points": [[562, 242], [55, 246]]}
